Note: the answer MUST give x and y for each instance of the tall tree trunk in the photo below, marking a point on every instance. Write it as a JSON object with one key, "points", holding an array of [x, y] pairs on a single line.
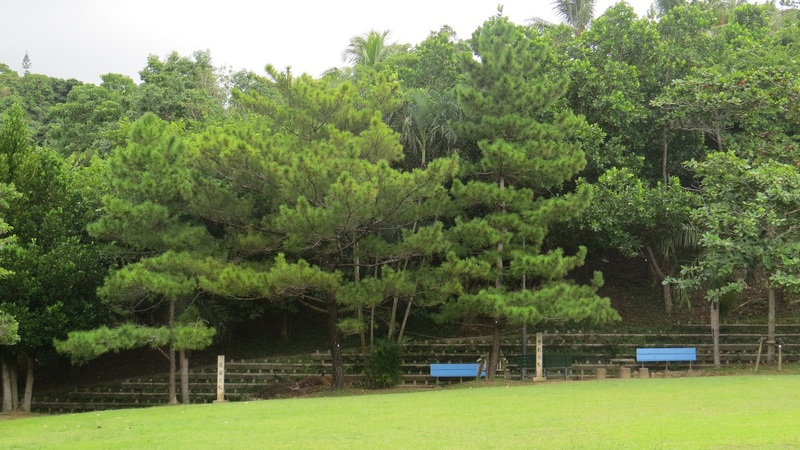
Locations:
{"points": [[715, 331], [771, 326], [173, 394], [371, 328], [393, 318], [665, 138], [14, 384], [5, 369], [360, 309], [494, 355], [335, 338], [396, 305], [661, 276], [173, 397], [405, 320], [362, 334], [27, 397], [185, 393], [667, 293]]}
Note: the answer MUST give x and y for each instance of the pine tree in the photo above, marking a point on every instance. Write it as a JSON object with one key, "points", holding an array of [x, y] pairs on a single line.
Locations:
{"points": [[26, 63], [526, 150], [165, 249], [315, 210]]}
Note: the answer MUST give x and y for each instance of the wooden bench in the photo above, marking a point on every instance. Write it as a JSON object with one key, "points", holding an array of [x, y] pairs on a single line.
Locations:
{"points": [[459, 370], [666, 355]]}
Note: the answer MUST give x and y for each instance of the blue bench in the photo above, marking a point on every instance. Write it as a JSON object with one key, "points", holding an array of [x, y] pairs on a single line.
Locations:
{"points": [[666, 355], [456, 370]]}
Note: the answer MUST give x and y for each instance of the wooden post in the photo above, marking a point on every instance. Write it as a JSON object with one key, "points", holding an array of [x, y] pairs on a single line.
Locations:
{"points": [[760, 346], [524, 345], [539, 358], [220, 379]]}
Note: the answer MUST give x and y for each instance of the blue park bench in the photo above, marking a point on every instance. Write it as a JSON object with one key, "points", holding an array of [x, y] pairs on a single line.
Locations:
{"points": [[460, 370], [666, 355]]}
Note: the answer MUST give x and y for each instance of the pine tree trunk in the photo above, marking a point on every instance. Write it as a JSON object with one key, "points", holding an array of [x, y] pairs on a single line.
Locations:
{"points": [[27, 397], [357, 280], [362, 334], [185, 393], [405, 320], [494, 355], [371, 328], [5, 368], [335, 338], [771, 327], [664, 155], [173, 397], [392, 318], [715, 331]]}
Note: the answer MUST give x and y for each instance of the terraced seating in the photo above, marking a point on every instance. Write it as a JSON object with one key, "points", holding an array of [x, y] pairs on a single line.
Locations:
{"points": [[590, 352]]}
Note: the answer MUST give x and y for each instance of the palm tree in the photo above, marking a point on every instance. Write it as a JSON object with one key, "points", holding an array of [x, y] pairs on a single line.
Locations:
{"points": [[370, 49], [576, 13], [664, 6], [723, 9], [425, 127]]}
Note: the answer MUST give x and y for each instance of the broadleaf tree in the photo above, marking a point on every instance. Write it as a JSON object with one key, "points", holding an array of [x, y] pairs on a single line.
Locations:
{"points": [[750, 241], [55, 269]]}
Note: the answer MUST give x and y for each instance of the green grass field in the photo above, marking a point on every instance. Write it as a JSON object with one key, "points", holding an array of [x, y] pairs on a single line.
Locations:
{"points": [[699, 412]]}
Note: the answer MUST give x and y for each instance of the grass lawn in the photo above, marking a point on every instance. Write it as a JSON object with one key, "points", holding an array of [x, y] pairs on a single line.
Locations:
{"points": [[722, 412]]}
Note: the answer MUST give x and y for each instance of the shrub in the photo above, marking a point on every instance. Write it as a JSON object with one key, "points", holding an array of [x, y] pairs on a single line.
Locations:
{"points": [[384, 365]]}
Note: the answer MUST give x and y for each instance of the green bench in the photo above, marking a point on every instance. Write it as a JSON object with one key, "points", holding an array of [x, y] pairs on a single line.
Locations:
{"points": [[551, 362]]}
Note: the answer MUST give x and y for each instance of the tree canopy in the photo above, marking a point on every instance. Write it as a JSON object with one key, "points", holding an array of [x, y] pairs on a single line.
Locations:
{"points": [[462, 179]]}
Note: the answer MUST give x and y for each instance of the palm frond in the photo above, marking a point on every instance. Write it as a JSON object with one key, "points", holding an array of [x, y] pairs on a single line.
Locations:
{"points": [[577, 13]]}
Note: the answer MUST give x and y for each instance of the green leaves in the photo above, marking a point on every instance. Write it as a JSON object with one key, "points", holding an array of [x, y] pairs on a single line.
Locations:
{"points": [[749, 221], [179, 88], [629, 215], [508, 200], [83, 346], [9, 328]]}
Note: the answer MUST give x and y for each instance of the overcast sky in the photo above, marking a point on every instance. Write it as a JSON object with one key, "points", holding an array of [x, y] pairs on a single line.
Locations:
{"points": [[86, 38]]}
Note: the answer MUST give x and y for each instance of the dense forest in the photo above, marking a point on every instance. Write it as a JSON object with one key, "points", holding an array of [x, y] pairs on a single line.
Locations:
{"points": [[460, 179]]}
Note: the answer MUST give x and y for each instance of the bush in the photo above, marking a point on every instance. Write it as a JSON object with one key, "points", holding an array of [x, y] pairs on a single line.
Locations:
{"points": [[384, 365]]}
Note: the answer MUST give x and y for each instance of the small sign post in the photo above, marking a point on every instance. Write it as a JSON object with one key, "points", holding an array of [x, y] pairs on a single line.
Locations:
{"points": [[220, 379], [539, 361]]}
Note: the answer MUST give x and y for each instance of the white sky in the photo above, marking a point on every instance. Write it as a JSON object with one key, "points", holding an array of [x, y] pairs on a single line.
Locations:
{"points": [[86, 38]]}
